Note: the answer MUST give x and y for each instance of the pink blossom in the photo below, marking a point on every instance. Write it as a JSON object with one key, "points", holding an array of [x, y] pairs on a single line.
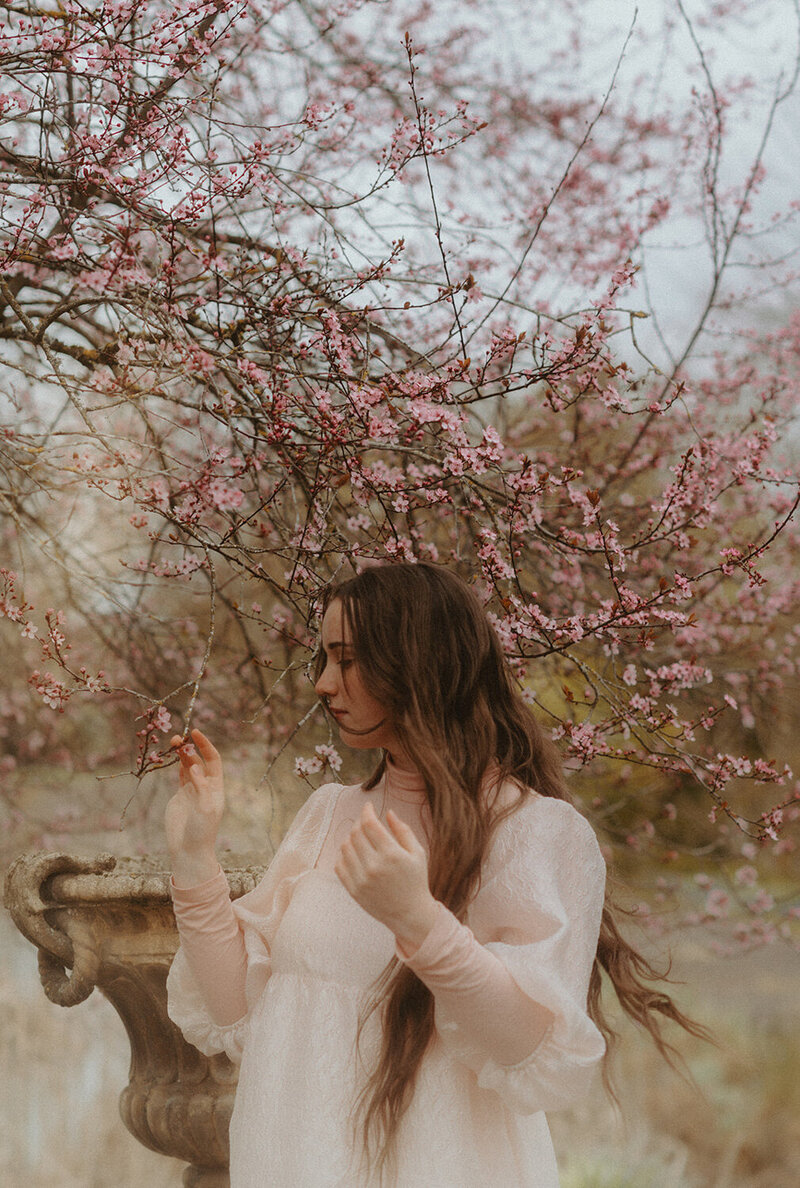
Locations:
{"points": [[330, 755], [717, 903], [761, 903], [307, 767], [223, 496], [289, 346], [162, 720]]}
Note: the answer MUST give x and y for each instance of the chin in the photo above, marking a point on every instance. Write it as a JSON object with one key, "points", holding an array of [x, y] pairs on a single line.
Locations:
{"points": [[360, 742], [357, 741]]}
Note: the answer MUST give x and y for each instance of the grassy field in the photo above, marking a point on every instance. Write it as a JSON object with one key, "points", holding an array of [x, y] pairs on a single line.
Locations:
{"points": [[737, 1126]]}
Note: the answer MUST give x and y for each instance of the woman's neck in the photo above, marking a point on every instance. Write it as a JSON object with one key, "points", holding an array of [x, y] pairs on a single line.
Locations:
{"points": [[402, 779], [400, 761]]}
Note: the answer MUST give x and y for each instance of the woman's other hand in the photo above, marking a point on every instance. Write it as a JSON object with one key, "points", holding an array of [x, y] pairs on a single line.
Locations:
{"points": [[194, 813], [386, 872]]}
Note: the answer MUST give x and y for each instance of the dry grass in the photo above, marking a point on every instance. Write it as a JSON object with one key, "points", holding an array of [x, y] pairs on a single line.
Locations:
{"points": [[737, 1125]]}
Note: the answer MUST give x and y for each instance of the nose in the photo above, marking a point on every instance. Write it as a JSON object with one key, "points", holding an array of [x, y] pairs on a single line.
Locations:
{"points": [[326, 685]]}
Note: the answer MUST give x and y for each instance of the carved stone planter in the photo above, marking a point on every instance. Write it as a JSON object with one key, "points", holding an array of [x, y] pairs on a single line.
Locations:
{"points": [[108, 923]]}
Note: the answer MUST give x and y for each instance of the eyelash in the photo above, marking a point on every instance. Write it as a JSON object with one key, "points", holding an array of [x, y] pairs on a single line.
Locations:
{"points": [[343, 664]]}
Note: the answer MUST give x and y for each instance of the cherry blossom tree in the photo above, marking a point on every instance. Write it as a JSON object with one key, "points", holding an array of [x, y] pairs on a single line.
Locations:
{"points": [[289, 288]]}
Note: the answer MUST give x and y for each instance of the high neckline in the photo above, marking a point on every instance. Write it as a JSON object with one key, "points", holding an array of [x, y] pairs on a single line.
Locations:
{"points": [[408, 785], [403, 783]]}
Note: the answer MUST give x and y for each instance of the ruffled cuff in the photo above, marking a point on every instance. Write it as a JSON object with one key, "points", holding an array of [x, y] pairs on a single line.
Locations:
{"points": [[548, 1079], [187, 1010], [488, 997], [561, 1069]]}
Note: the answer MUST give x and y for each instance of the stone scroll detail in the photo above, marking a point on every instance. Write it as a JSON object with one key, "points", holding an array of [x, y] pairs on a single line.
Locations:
{"points": [[74, 947]]}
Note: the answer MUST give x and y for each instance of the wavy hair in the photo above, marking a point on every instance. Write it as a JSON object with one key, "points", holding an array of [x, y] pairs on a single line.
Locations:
{"points": [[426, 650]]}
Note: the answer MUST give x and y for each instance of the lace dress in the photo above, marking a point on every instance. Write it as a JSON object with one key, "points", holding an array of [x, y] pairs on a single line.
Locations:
{"points": [[311, 954]]}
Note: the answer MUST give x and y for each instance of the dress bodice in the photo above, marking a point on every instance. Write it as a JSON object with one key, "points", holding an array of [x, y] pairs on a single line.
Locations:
{"points": [[325, 934]]}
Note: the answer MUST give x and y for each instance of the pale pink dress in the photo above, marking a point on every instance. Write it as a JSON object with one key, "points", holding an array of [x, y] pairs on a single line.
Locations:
{"points": [[302, 972]]}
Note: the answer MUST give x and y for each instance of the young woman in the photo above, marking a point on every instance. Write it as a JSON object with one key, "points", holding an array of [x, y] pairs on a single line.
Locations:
{"points": [[416, 979]]}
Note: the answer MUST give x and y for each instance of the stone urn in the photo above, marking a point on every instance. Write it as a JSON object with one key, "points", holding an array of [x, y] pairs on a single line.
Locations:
{"points": [[107, 922]]}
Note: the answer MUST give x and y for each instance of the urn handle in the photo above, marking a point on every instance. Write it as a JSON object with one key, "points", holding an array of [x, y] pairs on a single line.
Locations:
{"points": [[77, 948]]}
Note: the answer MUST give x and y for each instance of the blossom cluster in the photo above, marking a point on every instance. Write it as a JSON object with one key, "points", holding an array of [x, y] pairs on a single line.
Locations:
{"points": [[266, 325]]}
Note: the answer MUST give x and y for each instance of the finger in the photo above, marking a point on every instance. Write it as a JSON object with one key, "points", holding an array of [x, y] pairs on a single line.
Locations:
{"points": [[189, 758], [176, 744], [209, 753], [343, 876], [372, 828], [360, 845], [183, 766], [199, 777], [196, 774], [348, 863], [404, 834]]}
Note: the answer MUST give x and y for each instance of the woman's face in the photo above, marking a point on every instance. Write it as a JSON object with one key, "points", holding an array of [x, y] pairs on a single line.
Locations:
{"points": [[363, 721]]}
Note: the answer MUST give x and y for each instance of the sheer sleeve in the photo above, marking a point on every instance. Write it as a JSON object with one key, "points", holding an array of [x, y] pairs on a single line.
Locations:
{"points": [[258, 914], [538, 912], [476, 992]]}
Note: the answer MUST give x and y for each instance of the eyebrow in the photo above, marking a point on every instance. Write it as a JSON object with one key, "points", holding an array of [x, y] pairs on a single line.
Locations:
{"points": [[337, 643]]}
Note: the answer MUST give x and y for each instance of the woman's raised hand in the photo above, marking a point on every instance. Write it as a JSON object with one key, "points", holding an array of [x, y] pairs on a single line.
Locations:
{"points": [[386, 872], [194, 813]]}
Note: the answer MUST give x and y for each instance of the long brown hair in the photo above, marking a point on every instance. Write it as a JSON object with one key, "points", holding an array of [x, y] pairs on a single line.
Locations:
{"points": [[426, 649]]}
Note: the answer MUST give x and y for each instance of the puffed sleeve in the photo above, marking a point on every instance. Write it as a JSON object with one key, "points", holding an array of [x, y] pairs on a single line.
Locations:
{"points": [[538, 911], [258, 914]]}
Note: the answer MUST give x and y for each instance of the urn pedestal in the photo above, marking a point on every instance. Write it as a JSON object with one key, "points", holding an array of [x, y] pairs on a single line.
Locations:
{"points": [[108, 923]]}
